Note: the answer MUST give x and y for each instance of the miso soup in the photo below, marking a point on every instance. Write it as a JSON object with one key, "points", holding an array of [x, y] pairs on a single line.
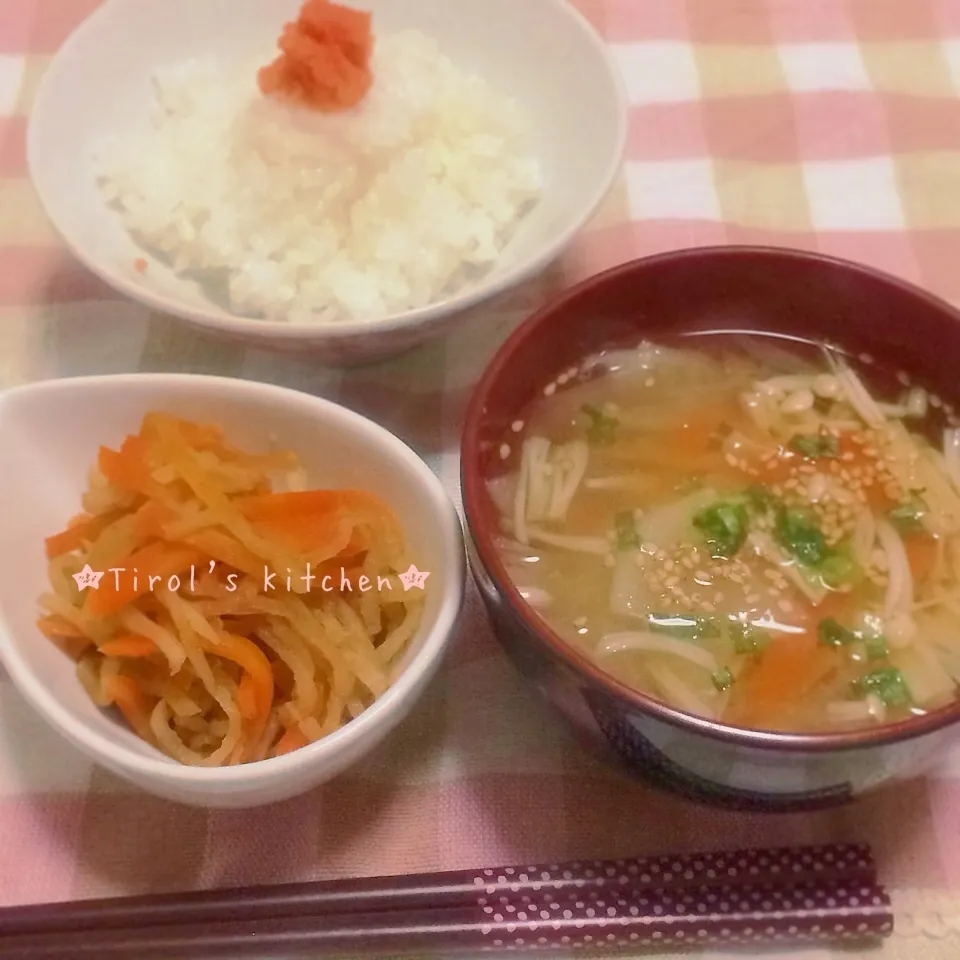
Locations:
{"points": [[743, 530]]}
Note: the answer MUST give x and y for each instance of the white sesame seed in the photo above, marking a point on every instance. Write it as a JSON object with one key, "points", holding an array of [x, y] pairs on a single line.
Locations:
{"points": [[517, 426], [504, 451], [817, 487], [550, 389]]}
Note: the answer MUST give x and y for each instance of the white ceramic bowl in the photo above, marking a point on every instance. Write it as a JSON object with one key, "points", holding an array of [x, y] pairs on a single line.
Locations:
{"points": [[542, 52], [50, 433]]}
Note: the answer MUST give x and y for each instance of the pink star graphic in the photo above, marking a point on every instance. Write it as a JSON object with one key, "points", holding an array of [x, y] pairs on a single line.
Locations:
{"points": [[88, 577], [413, 578]]}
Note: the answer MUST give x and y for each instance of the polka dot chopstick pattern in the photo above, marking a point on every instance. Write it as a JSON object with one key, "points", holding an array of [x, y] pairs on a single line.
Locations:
{"points": [[850, 862], [736, 915], [827, 893]]}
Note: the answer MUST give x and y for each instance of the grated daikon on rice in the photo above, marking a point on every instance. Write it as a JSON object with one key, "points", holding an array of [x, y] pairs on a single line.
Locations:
{"points": [[318, 218]]}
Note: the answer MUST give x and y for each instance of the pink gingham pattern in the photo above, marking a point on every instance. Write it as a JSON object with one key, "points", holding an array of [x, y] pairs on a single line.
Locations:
{"points": [[832, 125]]}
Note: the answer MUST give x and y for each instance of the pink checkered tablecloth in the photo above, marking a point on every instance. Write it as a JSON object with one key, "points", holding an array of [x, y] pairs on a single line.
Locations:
{"points": [[827, 124]]}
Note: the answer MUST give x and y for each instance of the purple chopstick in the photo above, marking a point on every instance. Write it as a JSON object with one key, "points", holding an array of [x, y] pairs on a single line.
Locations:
{"points": [[850, 862], [792, 896]]}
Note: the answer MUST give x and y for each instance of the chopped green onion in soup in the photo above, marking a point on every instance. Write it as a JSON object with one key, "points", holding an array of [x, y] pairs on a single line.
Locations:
{"points": [[887, 683], [833, 634], [907, 517], [724, 526], [723, 679], [799, 535], [838, 570], [816, 446]]}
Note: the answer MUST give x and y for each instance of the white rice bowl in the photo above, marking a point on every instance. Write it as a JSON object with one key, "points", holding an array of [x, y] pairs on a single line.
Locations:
{"points": [[311, 218]]}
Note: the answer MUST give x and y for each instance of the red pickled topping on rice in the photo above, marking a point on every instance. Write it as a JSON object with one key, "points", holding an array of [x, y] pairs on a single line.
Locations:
{"points": [[324, 62]]}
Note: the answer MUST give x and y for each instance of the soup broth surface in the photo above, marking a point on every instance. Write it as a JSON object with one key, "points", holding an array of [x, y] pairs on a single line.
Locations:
{"points": [[743, 530]]}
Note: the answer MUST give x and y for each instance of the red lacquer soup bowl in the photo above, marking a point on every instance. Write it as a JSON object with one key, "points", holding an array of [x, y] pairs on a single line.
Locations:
{"points": [[791, 293]]}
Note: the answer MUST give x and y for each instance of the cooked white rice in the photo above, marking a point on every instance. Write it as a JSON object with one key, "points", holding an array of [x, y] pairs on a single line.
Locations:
{"points": [[318, 218]]}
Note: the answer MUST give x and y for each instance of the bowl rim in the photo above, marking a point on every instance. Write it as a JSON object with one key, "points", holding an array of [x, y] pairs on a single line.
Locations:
{"points": [[382, 714], [472, 483], [423, 318]]}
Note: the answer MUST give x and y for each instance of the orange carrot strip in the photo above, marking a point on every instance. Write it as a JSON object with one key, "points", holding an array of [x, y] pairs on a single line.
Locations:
{"points": [[318, 521], [313, 502], [254, 663], [154, 560], [129, 645], [132, 703], [129, 470], [76, 534], [787, 670], [292, 740], [247, 697]]}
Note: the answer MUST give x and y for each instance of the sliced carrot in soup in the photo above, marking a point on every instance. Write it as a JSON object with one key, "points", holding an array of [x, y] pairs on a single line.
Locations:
{"points": [[789, 669]]}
